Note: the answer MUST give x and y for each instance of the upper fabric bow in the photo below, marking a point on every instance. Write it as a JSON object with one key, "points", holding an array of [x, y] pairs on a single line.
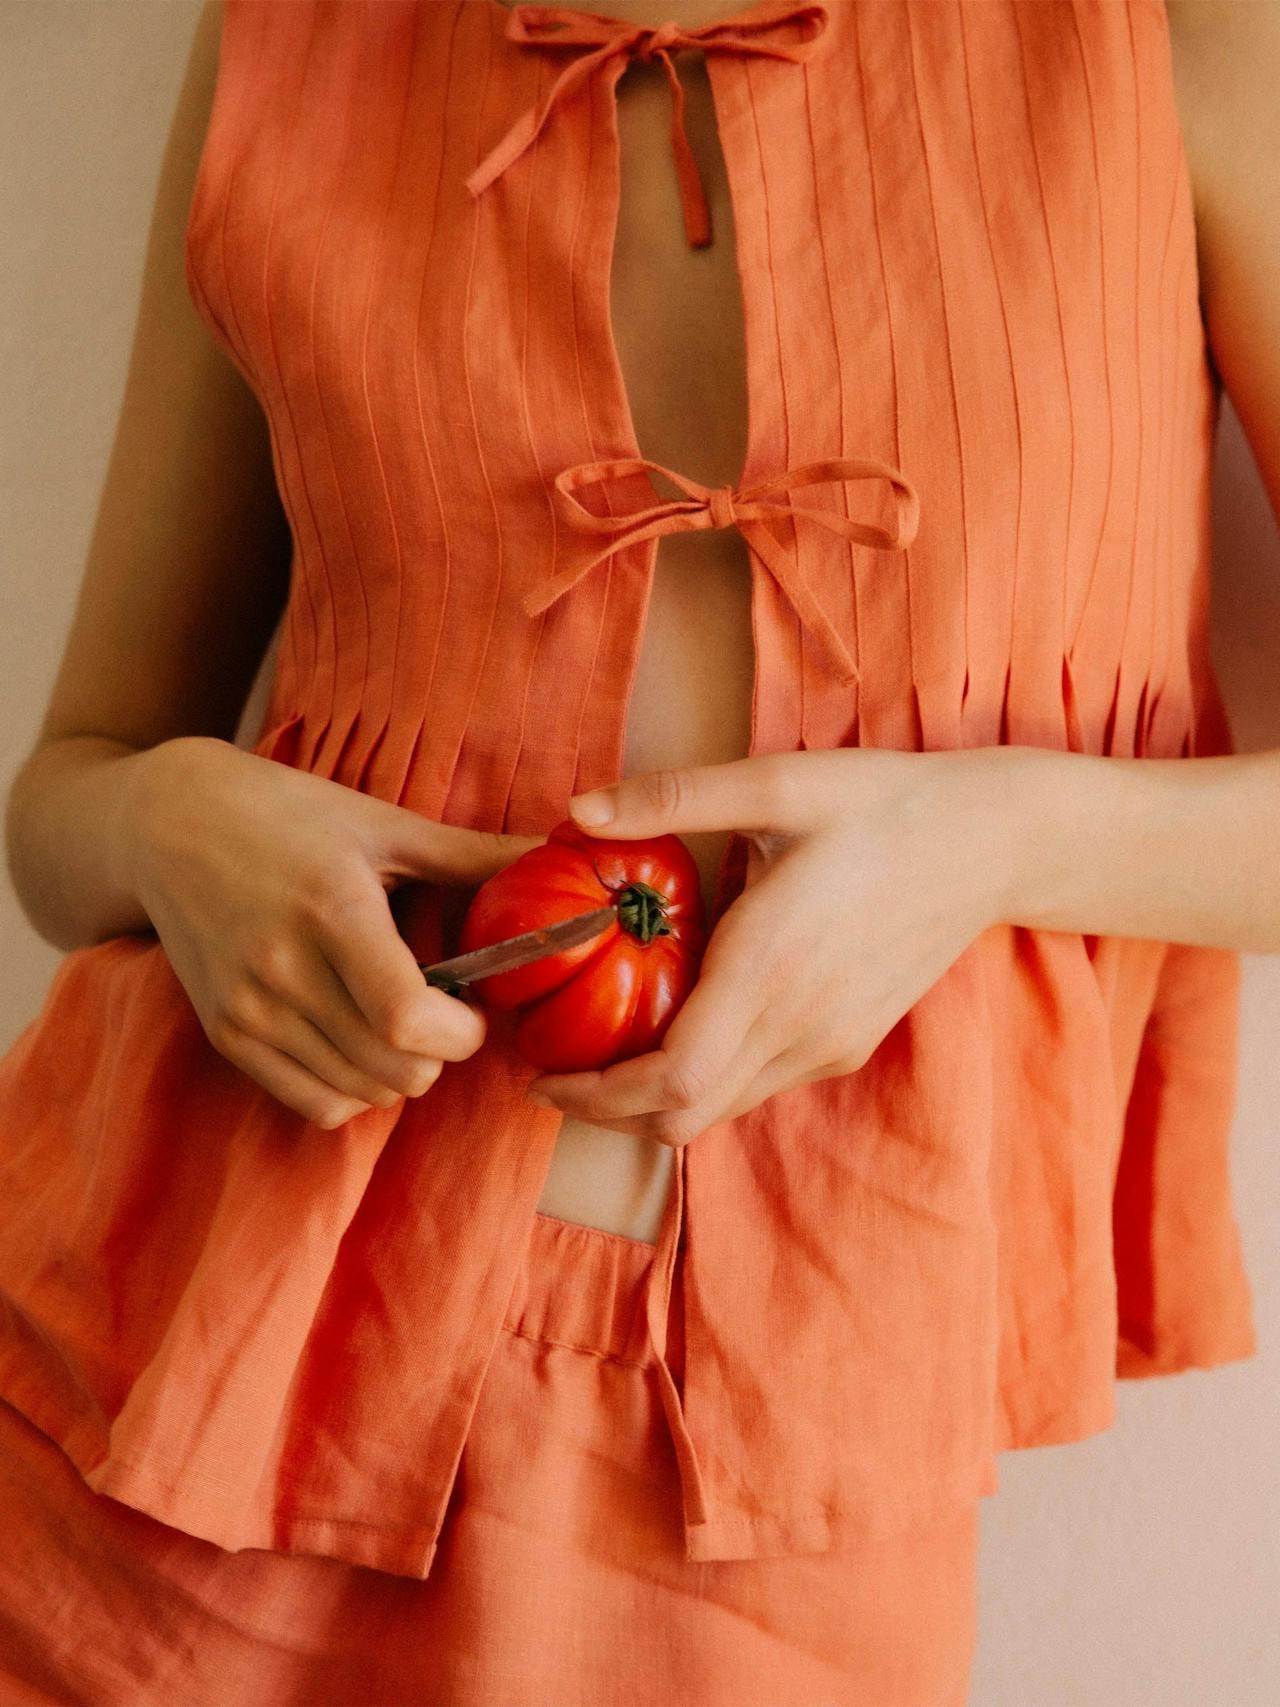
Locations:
{"points": [[746, 508], [763, 30]]}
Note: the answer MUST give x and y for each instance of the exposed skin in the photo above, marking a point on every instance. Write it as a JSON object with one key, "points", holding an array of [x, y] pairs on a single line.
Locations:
{"points": [[135, 810]]}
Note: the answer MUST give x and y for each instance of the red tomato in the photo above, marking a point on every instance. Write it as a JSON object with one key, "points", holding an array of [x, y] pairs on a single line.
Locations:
{"points": [[612, 997]]}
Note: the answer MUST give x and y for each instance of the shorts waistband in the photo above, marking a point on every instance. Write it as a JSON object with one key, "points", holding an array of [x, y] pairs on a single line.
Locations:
{"points": [[583, 1288]]}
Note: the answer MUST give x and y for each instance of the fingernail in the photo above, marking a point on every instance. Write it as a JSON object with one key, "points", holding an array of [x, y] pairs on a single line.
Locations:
{"points": [[591, 808]]}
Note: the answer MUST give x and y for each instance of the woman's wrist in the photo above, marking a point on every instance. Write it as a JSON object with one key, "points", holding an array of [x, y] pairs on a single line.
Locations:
{"points": [[152, 781], [1004, 830], [1170, 849]]}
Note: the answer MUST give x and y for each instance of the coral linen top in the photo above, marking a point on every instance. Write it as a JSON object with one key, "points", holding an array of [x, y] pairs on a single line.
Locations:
{"points": [[977, 497]]}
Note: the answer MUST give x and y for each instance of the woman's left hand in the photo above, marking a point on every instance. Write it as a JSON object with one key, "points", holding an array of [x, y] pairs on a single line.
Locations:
{"points": [[869, 871]]}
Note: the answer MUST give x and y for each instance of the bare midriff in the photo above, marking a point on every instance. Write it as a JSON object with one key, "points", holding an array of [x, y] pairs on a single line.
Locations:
{"points": [[677, 324]]}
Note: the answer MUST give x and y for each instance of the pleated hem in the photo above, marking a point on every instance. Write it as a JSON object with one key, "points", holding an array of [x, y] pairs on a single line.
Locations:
{"points": [[193, 1508]]}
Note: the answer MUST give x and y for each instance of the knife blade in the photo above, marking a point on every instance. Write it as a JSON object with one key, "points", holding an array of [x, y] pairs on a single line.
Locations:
{"points": [[454, 975]]}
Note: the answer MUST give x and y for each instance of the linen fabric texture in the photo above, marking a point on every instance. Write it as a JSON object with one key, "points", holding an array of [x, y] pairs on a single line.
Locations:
{"points": [[561, 1576], [965, 239]]}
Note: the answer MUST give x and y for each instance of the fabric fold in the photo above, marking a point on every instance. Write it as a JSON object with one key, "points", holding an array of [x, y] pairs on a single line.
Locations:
{"points": [[277, 1335]]}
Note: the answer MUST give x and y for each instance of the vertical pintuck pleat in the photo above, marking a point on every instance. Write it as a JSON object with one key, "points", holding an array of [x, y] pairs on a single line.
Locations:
{"points": [[474, 550], [989, 393], [1068, 193], [1095, 472], [887, 714], [414, 446], [926, 370], [828, 719], [767, 333], [1163, 592], [1100, 646], [1021, 253], [347, 327], [1182, 547], [744, 107], [293, 196], [975, 406], [1185, 541], [385, 382], [1149, 231]]}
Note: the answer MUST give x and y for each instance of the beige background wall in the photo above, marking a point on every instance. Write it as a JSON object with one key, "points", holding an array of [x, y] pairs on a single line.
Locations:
{"points": [[1140, 1569]]}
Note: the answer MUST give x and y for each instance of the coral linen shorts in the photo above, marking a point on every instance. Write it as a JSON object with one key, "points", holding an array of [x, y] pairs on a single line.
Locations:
{"points": [[560, 1580]]}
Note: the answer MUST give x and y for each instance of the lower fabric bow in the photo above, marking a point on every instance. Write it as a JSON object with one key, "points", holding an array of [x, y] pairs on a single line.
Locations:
{"points": [[748, 509]]}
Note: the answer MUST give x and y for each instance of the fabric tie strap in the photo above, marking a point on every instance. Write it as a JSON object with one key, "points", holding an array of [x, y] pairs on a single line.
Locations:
{"points": [[748, 509], [764, 30]]}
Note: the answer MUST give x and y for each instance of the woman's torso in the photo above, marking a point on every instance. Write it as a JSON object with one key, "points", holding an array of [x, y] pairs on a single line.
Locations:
{"points": [[966, 245], [691, 694], [944, 293]]}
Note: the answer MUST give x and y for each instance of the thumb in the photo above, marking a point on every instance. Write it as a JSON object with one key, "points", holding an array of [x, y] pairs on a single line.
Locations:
{"points": [[739, 795]]}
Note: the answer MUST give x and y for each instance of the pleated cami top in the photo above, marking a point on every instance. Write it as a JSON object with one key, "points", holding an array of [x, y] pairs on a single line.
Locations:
{"points": [[965, 240]]}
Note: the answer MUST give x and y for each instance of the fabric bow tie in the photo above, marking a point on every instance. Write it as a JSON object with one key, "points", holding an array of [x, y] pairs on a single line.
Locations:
{"points": [[744, 507], [763, 30]]}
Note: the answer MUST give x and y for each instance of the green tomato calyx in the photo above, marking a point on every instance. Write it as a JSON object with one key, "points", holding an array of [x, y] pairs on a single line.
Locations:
{"points": [[643, 912]]}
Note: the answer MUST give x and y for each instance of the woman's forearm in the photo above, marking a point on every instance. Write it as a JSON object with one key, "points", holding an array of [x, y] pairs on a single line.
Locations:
{"points": [[1183, 850], [66, 826]]}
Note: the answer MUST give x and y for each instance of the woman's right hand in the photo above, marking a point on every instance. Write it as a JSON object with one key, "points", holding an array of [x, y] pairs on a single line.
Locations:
{"points": [[268, 888]]}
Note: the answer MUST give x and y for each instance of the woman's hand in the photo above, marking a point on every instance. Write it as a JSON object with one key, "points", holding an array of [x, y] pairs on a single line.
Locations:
{"points": [[268, 888], [869, 871]]}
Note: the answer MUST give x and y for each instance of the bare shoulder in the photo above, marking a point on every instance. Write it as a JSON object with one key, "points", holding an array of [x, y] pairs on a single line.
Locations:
{"points": [[1226, 61]]}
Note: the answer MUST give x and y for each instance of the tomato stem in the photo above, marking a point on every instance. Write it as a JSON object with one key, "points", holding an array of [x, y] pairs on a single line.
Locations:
{"points": [[643, 912], [641, 909]]}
